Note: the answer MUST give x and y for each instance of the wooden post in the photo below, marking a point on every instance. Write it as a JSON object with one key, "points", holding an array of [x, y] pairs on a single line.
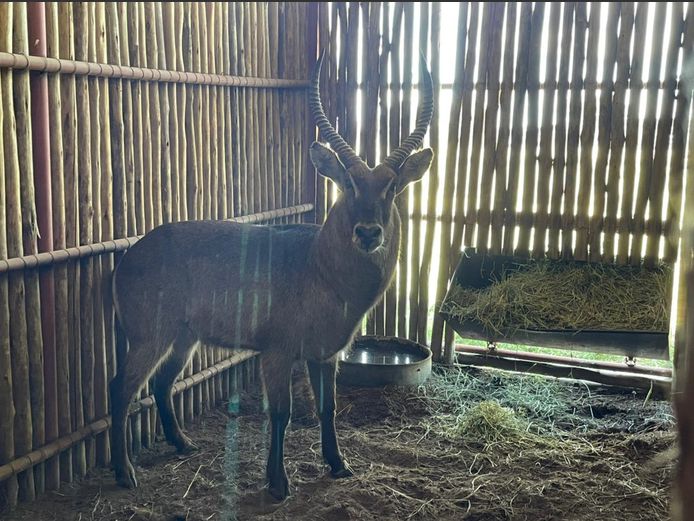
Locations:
{"points": [[36, 18], [18, 320], [310, 178], [449, 177], [8, 490]]}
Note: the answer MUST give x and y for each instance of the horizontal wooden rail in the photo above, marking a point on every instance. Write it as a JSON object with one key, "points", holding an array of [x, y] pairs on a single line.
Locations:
{"points": [[640, 370], [46, 452], [559, 221], [50, 258], [105, 70], [659, 385]]}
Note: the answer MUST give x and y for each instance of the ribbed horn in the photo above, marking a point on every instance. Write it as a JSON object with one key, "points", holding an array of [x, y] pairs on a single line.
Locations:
{"points": [[339, 145], [424, 112]]}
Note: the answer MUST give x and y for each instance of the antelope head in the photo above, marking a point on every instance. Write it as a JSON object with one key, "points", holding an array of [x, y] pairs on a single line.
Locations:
{"points": [[368, 194]]}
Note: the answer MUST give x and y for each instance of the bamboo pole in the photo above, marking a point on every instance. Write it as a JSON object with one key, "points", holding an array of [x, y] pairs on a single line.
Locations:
{"points": [[106, 358], [86, 228], [502, 146], [21, 386], [657, 187], [519, 102], [369, 116], [327, 39], [465, 128], [189, 166], [41, 163], [415, 255], [76, 460], [220, 64], [9, 489], [606, 104], [267, 194], [386, 304], [646, 165], [98, 176], [239, 101], [158, 131], [143, 160], [391, 129], [395, 136], [137, 110], [630, 154], [449, 178], [277, 134], [166, 94], [274, 112], [207, 183], [166, 34], [433, 178], [21, 61], [473, 171], [531, 136], [300, 13], [21, 98], [560, 137], [199, 186], [181, 119], [587, 137], [116, 119], [486, 173], [253, 107], [220, 54], [351, 87], [244, 21], [573, 136], [209, 147], [677, 167], [544, 173], [129, 222]]}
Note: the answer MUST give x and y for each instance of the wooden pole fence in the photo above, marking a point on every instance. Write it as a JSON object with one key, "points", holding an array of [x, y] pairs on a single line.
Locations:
{"points": [[117, 245]]}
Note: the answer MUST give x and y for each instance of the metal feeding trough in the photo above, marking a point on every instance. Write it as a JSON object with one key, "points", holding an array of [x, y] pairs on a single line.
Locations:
{"points": [[377, 361], [478, 271]]}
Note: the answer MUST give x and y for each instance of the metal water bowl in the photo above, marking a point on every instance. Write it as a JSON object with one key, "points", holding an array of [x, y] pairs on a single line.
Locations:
{"points": [[377, 361]]}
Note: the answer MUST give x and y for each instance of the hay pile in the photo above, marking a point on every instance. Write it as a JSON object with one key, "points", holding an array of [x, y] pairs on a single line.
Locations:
{"points": [[545, 295]]}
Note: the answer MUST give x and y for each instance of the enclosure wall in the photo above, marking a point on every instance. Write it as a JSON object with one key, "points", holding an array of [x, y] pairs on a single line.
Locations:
{"points": [[106, 146], [559, 129]]}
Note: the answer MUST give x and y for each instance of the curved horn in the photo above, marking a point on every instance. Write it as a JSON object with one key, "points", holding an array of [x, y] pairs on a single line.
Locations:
{"points": [[424, 112], [339, 145]]}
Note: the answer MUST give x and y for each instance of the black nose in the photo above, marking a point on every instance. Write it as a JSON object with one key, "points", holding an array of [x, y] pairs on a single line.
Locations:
{"points": [[369, 235]]}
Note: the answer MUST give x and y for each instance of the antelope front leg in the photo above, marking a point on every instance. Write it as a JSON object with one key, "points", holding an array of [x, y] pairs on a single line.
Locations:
{"points": [[277, 373], [323, 381]]}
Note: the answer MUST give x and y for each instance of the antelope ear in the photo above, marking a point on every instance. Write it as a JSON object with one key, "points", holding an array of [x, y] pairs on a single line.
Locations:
{"points": [[414, 168], [328, 164]]}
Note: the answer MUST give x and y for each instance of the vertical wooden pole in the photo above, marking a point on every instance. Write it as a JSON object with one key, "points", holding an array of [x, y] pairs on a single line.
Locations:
{"points": [[311, 178], [36, 14], [9, 488], [21, 387]]}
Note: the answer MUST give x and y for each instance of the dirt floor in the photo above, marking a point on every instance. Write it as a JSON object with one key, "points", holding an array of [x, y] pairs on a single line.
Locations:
{"points": [[469, 445]]}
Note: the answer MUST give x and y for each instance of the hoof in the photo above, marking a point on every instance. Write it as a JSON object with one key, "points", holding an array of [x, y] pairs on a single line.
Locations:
{"points": [[126, 478], [279, 491], [344, 471], [185, 446]]}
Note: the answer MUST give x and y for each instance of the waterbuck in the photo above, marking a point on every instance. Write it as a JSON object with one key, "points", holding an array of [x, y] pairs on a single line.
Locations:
{"points": [[292, 293]]}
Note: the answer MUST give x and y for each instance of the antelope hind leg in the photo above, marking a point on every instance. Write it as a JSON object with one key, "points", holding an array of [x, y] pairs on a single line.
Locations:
{"points": [[276, 370]]}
